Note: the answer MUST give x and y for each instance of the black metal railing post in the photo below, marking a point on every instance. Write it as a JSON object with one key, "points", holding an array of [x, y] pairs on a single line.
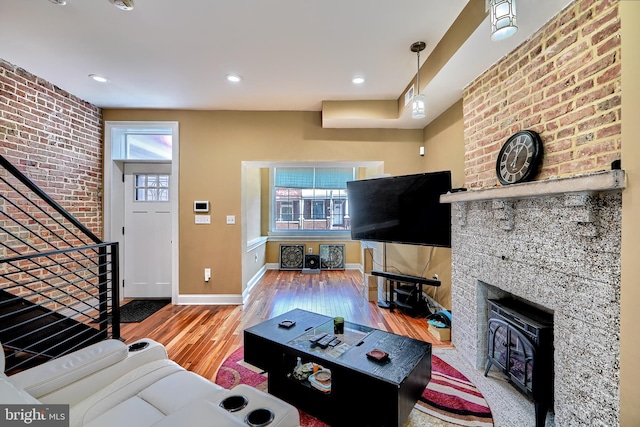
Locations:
{"points": [[115, 290]]}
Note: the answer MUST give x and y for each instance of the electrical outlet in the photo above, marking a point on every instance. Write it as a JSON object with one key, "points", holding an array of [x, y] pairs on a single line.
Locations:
{"points": [[435, 277], [231, 219], [207, 274]]}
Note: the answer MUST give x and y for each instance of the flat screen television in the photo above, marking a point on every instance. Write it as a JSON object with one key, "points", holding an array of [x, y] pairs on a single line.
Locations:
{"points": [[401, 209]]}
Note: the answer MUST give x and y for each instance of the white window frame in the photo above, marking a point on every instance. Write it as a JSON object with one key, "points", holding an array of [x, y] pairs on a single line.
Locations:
{"points": [[306, 234]]}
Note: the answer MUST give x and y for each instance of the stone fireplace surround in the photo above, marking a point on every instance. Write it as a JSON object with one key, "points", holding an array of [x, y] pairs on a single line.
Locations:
{"points": [[555, 244]]}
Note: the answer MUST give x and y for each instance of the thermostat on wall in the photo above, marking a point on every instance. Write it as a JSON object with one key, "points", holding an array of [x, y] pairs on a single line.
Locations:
{"points": [[201, 206]]}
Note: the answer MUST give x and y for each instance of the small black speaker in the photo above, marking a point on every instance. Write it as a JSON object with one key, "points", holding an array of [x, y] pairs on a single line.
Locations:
{"points": [[616, 164], [312, 261]]}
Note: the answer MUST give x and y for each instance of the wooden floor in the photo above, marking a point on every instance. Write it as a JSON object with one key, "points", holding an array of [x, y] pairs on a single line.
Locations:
{"points": [[200, 337]]}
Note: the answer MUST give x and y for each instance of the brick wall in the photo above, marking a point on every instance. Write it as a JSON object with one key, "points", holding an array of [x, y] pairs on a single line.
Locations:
{"points": [[564, 83], [54, 138]]}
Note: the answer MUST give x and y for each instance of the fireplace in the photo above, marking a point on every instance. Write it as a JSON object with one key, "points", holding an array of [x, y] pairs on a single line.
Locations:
{"points": [[555, 244], [520, 344]]}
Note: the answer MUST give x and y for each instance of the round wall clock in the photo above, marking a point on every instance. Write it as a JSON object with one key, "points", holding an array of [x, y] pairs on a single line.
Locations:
{"points": [[519, 157]]}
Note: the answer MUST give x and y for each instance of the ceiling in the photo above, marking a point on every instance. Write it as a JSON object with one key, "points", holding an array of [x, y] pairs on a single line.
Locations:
{"points": [[292, 54]]}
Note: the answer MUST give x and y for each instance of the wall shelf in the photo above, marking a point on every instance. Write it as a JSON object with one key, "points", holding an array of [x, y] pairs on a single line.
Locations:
{"points": [[613, 180]]}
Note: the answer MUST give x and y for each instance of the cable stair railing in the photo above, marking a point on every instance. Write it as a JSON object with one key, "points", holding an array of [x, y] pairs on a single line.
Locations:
{"points": [[58, 280]]}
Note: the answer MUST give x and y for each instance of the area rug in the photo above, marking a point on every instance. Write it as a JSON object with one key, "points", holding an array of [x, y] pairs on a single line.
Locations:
{"points": [[137, 310], [449, 396]]}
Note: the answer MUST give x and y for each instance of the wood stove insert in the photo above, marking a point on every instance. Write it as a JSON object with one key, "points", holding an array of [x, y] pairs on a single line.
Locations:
{"points": [[521, 345]]}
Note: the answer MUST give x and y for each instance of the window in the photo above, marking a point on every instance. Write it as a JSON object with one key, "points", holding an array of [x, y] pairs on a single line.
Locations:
{"points": [[142, 144], [311, 198], [286, 211], [151, 187]]}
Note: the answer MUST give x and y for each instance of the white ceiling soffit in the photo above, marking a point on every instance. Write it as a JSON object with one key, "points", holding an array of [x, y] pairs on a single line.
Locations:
{"points": [[291, 55]]}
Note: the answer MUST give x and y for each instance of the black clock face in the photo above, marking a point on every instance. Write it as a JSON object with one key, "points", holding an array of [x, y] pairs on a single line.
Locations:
{"points": [[519, 157]]}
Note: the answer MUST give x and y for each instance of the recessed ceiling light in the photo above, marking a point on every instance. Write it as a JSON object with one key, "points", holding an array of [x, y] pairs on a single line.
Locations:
{"points": [[234, 78], [98, 78], [59, 2], [358, 80]]}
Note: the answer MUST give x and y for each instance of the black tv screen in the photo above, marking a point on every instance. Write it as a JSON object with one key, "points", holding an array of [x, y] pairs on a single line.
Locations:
{"points": [[401, 209]]}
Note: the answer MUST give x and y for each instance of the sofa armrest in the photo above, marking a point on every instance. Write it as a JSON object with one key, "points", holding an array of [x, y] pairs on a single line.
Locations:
{"points": [[60, 372], [70, 387]]}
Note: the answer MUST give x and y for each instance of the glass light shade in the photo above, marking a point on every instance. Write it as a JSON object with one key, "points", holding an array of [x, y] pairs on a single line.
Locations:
{"points": [[418, 107], [503, 19]]}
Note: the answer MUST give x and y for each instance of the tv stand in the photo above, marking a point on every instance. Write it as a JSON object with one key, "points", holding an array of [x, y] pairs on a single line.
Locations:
{"points": [[406, 291]]}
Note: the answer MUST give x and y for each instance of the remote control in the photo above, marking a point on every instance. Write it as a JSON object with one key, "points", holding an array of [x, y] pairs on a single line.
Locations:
{"points": [[324, 342], [318, 337], [335, 342]]}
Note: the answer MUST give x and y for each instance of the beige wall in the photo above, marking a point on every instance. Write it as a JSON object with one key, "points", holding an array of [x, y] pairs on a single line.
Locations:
{"points": [[630, 293], [213, 145], [444, 150]]}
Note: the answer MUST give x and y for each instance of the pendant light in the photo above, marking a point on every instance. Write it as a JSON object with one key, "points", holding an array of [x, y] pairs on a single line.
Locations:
{"points": [[123, 4], [418, 103], [503, 19]]}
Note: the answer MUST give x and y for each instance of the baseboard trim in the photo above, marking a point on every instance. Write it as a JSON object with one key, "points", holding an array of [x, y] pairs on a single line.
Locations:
{"points": [[253, 281], [209, 299], [276, 266]]}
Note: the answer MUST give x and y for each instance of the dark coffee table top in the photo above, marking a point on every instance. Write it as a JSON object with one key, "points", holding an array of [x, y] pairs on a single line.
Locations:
{"points": [[404, 352]]}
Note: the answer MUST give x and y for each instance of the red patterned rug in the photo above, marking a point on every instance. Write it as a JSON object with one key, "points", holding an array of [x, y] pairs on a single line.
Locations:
{"points": [[449, 396]]}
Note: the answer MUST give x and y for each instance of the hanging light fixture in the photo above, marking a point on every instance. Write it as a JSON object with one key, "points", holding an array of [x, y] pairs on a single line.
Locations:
{"points": [[418, 103], [503, 19], [123, 4]]}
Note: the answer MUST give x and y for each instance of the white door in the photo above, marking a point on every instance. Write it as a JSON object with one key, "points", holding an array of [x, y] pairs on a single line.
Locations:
{"points": [[147, 230]]}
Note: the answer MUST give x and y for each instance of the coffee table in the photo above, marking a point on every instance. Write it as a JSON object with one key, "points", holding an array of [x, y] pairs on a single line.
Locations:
{"points": [[364, 391]]}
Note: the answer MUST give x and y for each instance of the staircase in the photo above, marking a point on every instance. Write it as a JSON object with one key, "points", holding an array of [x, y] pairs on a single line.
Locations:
{"points": [[58, 281]]}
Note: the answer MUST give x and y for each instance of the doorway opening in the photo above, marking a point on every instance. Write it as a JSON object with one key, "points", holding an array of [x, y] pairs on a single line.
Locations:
{"points": [[141, 188]]}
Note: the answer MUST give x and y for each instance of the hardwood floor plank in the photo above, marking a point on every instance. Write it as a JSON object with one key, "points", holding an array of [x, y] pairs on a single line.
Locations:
{"points": [[200, 337]]}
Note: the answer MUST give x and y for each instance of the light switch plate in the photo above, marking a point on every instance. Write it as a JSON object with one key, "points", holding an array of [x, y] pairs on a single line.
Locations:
{"points": [[203, 219], [231, 219]]}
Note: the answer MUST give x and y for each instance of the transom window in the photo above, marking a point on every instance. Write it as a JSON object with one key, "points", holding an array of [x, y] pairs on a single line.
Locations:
{"points": [[142, 144], [151, 187], [311, 198]]}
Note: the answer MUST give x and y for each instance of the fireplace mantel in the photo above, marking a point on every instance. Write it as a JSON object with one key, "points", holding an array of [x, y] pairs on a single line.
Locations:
{"points": [[612, 180]]}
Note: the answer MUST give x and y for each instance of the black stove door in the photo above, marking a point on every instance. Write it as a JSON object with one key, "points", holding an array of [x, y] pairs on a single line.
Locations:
{"points": [[499, 343], [521, 359]]}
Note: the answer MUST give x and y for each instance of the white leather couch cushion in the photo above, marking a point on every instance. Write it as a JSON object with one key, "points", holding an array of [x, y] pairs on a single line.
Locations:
{"points": [[200, 413], [77, 391], [176, 390], [10, 394], [155, 390], [68, 369], [132, 412], [120, 390]]}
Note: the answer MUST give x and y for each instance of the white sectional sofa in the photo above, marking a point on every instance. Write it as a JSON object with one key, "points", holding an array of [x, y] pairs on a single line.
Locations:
{"points": [[112, 384]]}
